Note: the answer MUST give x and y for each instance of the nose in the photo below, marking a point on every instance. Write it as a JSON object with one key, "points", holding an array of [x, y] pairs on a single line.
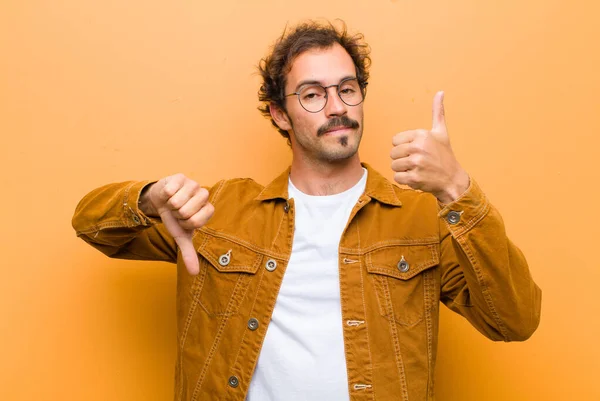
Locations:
{"points": [[334, 106]]}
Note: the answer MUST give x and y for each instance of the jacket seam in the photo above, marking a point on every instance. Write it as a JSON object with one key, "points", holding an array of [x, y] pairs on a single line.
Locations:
{"points": [[484, 290], [243, 243], [398, 353], [362, 290]]}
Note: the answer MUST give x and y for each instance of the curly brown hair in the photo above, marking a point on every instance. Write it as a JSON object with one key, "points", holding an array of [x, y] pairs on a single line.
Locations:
{"points": [[309, 35]]}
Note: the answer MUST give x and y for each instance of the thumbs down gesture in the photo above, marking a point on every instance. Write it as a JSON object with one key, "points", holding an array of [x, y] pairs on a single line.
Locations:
{"points": [[183, 206]]}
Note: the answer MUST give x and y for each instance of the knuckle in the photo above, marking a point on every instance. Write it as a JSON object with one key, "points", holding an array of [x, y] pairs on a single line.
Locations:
{"points": [[203, 193], [185, 214], [193, 185], [174, 204], [210, 209]]}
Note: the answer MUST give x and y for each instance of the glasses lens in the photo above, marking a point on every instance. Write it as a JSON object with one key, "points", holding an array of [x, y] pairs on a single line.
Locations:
{"points": [[350, 92], [313, 97]]}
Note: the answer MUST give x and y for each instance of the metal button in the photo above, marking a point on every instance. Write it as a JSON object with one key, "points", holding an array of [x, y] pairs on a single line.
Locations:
{"points": [[403, 265], [136, 219], [225, 259], [271, 265], [253, 324], [453, 217], [234, 381], [286, 208]]}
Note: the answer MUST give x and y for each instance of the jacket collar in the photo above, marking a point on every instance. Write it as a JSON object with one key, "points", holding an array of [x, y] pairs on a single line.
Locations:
{"points": [[378, 188]]}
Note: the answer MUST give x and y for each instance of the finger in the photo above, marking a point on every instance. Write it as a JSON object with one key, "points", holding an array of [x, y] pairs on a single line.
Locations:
{"points": [[401, 151], [183, 238], [439, 116], [188, 254], [193, 205], [406, 178], [404, 137], [183, 195], [403, 165], [168, 186], [199, 219]]}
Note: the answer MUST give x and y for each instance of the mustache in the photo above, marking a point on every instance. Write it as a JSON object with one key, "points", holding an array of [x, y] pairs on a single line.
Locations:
{"points": [[336, 122]]}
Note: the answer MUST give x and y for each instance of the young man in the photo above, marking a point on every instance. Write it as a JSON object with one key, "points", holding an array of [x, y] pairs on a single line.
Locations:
{"points": [[325, 284]]}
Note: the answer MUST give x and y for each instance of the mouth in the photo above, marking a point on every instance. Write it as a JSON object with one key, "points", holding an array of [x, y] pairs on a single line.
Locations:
{"points": [[338, 130]]}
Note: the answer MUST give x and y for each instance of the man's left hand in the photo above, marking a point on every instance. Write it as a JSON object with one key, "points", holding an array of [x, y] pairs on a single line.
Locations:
{"points": [[424, 159]]}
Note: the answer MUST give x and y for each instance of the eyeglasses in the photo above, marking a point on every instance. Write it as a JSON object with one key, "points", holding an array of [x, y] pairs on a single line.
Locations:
{"points": [[313, 97]]}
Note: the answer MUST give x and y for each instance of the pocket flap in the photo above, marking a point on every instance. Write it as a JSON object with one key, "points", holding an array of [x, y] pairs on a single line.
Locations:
{"points": [[227, 256], [402, 261]]}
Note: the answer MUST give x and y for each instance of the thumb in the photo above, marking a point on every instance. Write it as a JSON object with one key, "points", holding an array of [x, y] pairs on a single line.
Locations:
{"points": [[183, 238], [439, 116]]}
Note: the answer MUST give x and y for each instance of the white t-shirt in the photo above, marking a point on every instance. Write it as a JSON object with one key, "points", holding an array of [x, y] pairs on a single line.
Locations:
{"points": [[302, 357]]}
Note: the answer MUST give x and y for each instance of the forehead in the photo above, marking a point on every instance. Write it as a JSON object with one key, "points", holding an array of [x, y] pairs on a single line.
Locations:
{"points": [[327, 66]]}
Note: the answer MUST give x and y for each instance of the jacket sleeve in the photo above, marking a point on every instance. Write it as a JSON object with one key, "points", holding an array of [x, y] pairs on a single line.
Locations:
{"points": [[108, 218], [484, 276]]}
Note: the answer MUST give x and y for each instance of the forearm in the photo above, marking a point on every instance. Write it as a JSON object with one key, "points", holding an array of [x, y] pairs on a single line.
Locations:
{"points": [[485, 277], [110, 219]]}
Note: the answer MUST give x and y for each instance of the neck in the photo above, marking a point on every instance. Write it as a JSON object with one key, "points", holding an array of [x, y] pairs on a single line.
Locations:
{"points": [[326, 178]]}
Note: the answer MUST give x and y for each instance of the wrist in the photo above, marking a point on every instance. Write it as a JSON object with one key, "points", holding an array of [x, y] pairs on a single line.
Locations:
{"points": [[144, 203], [454, 190]]}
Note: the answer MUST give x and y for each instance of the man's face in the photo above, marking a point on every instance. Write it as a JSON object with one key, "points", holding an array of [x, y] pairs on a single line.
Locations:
{"points": [[334, 133]]}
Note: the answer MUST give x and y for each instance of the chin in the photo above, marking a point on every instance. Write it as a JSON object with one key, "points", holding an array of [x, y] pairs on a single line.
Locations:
{"points": [[338, 152]]}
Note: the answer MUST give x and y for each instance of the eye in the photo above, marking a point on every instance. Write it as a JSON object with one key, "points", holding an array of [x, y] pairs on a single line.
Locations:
{"points": [[347, 91], [312, 94]]}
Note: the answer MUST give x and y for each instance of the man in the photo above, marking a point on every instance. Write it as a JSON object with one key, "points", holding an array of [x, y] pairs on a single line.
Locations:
{"points": [[325, 284]]}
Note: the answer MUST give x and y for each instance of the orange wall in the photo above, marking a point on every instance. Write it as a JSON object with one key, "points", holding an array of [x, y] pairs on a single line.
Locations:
{"points": [[101, 91]]}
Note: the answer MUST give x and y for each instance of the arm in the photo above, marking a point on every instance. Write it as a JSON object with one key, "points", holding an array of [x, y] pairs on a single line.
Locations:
{"points": [[120, 219], [109, 219], [484, 276]]}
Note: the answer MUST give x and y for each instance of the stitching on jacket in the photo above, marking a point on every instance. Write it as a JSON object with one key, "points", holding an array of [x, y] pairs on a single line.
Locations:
{"points": [[214, 347], [485, 292], [362, 290], [278, 230], [197, 286], [394, 331], [246, 244], [479, 215], [429, 289], [262, 274], [390, 243]]}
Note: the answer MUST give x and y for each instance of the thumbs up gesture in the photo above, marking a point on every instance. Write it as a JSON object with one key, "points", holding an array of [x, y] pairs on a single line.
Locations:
{"points": [[183, 206], [424, 160]]}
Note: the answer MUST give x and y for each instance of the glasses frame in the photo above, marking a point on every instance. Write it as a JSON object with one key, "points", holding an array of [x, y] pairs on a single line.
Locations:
{"points": [[363, 89]]}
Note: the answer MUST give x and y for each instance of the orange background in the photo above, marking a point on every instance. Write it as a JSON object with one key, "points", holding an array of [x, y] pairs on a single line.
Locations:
{"points": [[93, 92]]}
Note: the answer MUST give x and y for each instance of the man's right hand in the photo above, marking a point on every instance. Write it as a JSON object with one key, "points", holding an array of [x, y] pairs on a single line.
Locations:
{"points": [[183, 206]]}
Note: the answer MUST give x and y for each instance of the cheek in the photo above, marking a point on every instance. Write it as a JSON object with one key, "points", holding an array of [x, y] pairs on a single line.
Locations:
{"points": [[307, 124]]}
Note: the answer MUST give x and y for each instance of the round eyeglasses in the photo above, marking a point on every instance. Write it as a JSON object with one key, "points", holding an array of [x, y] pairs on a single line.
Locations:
{"points": [[313, 96]]}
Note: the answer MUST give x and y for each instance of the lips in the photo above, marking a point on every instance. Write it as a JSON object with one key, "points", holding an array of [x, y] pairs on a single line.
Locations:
{"points": [[337, 129]]}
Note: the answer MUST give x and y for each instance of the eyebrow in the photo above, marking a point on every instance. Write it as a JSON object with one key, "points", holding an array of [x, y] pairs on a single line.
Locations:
{"points": [[313, 82]]}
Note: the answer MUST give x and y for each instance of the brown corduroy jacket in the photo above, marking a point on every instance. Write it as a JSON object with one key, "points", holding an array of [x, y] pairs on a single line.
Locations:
{"points": [[400, 254]]}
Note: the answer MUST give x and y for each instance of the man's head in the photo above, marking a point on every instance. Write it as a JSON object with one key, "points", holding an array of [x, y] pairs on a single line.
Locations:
{"points": [[320, 123]]}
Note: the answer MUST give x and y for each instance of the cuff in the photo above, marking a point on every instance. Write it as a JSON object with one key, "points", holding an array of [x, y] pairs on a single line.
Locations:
{"points": [[463, 213], [132, 212]]}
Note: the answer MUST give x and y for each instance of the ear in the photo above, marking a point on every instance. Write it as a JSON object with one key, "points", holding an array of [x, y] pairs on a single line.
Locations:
{"points": [[280, 117]]}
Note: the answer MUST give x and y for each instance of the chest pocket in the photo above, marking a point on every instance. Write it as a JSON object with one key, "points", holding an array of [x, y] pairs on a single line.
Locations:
{"points": [[226, 269], [403, 279]]}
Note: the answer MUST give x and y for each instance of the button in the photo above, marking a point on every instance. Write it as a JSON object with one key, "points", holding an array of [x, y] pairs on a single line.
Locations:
{"points": [[136, 219], [234, 381], [253, 324], [286, 208], [453, 217], [403, 265], [271, 265], [225, 259]]}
